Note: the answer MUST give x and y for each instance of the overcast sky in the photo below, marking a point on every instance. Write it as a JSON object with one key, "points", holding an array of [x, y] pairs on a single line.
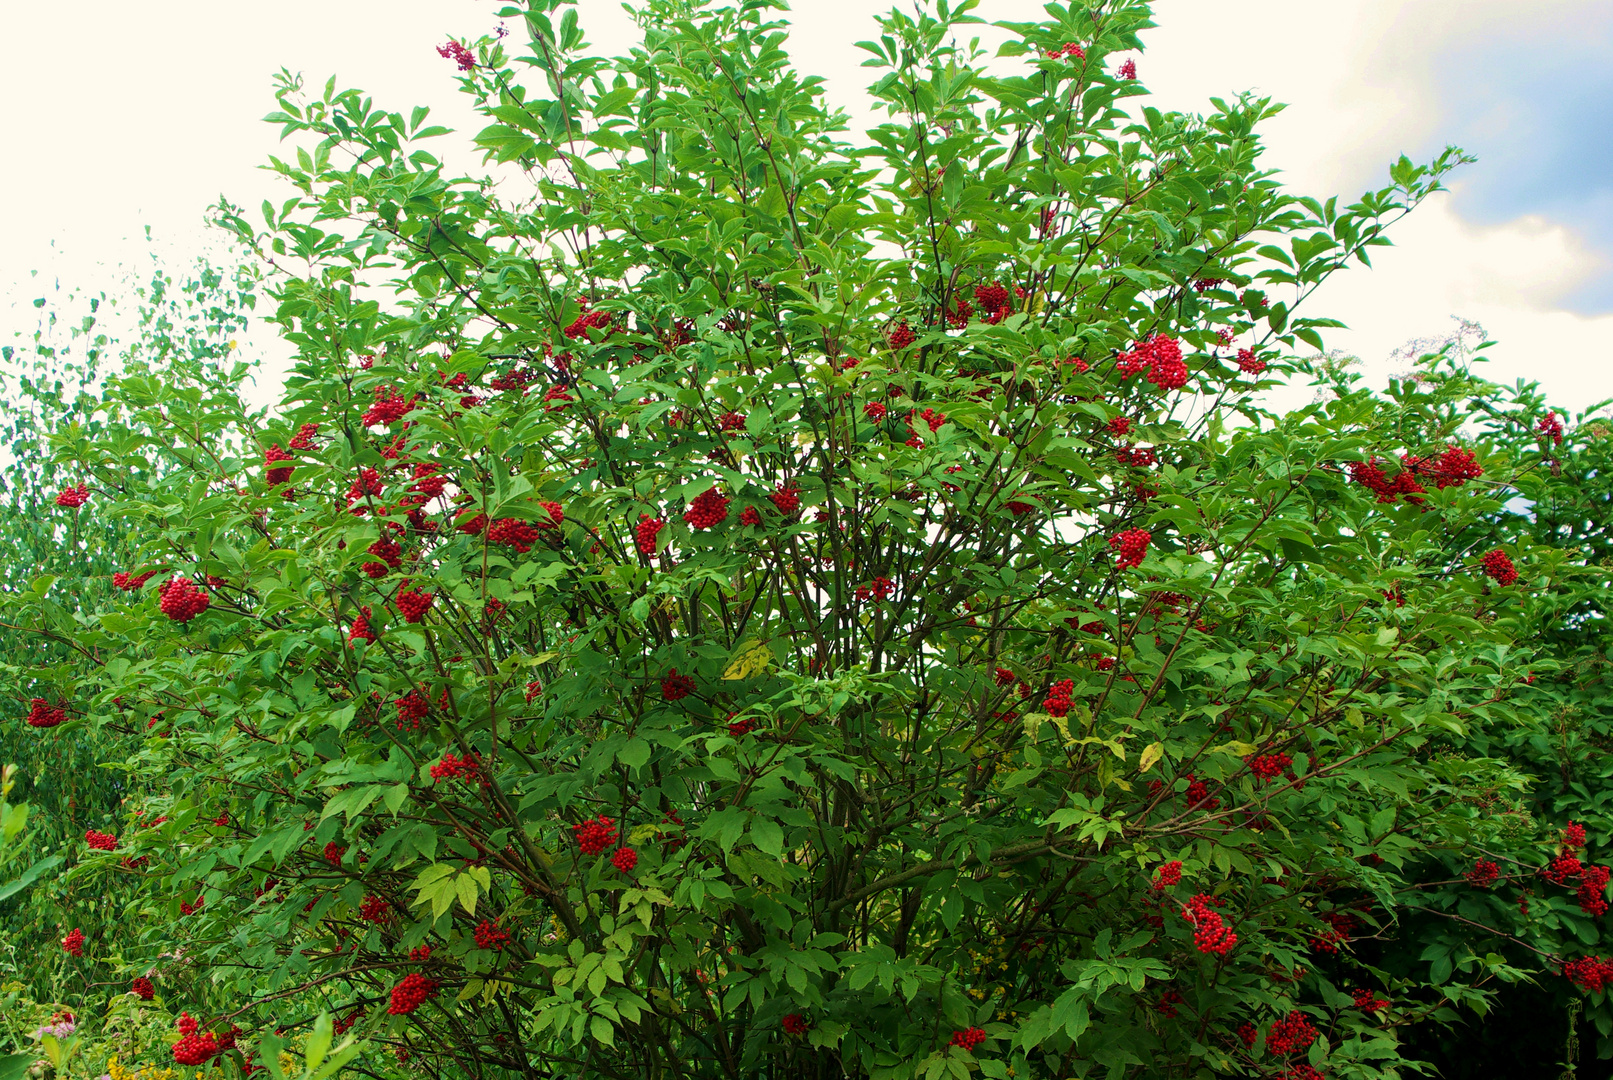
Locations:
{"points": [[122, 117]]}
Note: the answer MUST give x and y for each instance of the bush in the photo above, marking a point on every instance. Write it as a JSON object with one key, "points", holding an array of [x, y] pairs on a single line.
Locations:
{"points": [[724, 600]]}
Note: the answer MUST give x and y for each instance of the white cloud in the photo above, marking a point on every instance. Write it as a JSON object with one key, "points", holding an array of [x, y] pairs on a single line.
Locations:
{"points": [[134, 118]]}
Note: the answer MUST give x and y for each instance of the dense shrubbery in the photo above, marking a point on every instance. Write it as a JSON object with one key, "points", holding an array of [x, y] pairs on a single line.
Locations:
{"points": [[750, 604]]}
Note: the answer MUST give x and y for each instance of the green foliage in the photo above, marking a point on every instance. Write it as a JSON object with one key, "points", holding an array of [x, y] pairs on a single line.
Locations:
{"points": [[860, 575]]}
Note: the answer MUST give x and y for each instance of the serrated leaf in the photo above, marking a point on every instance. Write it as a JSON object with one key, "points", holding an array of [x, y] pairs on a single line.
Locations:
{"points": [[748, 660]]}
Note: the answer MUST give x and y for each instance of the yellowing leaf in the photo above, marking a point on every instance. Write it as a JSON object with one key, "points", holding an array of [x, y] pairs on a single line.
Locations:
{"points": [[748, 660], [1237, 749], [1151, 755]]}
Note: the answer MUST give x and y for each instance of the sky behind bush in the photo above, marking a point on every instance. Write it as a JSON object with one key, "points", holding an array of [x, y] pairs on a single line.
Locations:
{"points": [[124, 117]]}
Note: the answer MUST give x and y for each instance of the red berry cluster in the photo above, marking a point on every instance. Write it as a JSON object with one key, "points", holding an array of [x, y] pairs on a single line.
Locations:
{"points": [[901, 336], [1070, 49], [414, 991], [1453, 468], [334, 852], [1366, 1001], [968, 1039], [1168, 875], [181, 600], [73, 943], [73, 497], [588, 320], [1249, 363], [533, 690], [1140, 457], [458, 54], [1058, 698], [361, 627], [1483, 875], [1496, 565], [1592, 892], [1291, 1034], [1590, 973], [1211, 934], [645, 532], [413, 605], [1198, 794], [490, 935], [1248, 1033], [1574, 835], [1160, 357], [787, 497], [624, 859], [993, 300], [739, 728], [875, 411], [1369, 475], [304, 439], [275, 474], [1128, 70], [413, 707], [708, 508], [453, 767], [143, 988], [881, 588], [42, 714], [594, 835], [513, 532], [676, 686], [795, 1023], [1120, 425], [1270, 766], [750, 516], [100, 841], [129, 583], [391, 555], [420, 953], [1131, 546], [1561, 868], [1551, 429], [731, 421], [1302, 1071], [388, 408], [375, 909]]}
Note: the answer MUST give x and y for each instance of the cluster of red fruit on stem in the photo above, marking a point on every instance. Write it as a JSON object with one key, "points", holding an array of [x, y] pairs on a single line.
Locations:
{"points": [[100, 841], [645, 532], [968, 1039], [1168, 875], [709, 508], [73, 497], [1497, 566], [181, 600], [73, 943], [490, 935], [413, 605], [594, 835], [1290, 1034], [1210, 932], [414, 991], [453, 767], [1058, 698], [624, 859], [1367, 1001], [1270, 766], [143, 988], [1130, 547], [676, 686], [42, 714], [1160, 357], [1590, 973], [1484, 874], [130, 582]]}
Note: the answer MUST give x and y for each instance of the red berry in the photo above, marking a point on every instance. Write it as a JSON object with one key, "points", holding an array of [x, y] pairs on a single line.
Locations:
{"points": [[1131, 546], [708, 509], [143, 988], [624, 859], [42, 714], [411, 993], [100, 841], [73, 943], [676, 686], [181, 600], [595, 835], [646, 531], [73, 497]]}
